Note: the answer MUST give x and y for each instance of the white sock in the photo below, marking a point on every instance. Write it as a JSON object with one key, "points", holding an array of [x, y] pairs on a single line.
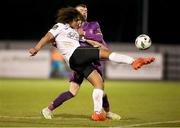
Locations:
{"points": [[119, 58], [97, 99]]}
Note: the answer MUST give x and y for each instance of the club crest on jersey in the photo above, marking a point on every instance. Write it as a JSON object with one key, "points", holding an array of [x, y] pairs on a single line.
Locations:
{"points": [[90, 31]]}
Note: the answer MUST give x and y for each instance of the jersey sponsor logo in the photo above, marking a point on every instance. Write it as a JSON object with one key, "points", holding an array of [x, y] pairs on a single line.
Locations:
{"points": [[73, 36]]}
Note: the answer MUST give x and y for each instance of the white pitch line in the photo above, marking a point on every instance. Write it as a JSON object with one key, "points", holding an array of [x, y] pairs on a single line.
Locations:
{"points": [[153, 123], [21, 117], [39, 117], [57, 118]]}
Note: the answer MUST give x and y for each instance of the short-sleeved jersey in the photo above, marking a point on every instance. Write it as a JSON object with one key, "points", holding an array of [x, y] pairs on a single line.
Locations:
{"points": [[67, 39], [93, 32]]}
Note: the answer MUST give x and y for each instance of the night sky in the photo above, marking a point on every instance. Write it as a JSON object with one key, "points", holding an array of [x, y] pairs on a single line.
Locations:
{"points": [[120, 20]]}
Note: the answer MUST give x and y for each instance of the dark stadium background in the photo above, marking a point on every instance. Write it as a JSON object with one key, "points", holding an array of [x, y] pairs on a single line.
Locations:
{"points": [[120, 20]]}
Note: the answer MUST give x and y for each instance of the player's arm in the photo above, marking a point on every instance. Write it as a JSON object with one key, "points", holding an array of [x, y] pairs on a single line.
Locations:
{"points": [[48, 38]]}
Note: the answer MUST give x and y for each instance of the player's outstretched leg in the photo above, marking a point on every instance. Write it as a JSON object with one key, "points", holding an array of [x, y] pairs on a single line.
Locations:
{"points": [[120, 58]]}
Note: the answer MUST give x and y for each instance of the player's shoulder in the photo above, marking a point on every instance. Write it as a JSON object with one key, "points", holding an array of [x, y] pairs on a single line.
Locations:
{"points": [[59, 26]]}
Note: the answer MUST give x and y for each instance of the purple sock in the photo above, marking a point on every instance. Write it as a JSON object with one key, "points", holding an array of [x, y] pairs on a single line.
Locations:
{"points": [[105, 103], [60, 100]]}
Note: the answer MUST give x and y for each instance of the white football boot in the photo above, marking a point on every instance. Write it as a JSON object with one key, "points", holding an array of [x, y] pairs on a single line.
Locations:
{"points": [[113, 116], [47, 113]]}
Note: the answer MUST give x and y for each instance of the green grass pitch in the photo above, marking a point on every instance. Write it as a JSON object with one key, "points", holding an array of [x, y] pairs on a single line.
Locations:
{"points": [[140, 103]]}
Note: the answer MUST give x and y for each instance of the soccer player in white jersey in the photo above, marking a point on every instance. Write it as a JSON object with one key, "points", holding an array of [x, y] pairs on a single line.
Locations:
{"points": [[88, 30], [80, 58]]}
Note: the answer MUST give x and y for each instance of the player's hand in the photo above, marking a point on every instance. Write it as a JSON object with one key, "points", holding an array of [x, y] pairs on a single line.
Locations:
{"points": [[33, 51]]}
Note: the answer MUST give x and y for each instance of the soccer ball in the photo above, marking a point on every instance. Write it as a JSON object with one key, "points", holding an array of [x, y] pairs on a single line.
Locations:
{"points": [[143, 42]]}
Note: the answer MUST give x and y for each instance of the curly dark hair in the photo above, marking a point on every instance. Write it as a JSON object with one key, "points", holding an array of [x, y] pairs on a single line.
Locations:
{"points": [[67, 15]]}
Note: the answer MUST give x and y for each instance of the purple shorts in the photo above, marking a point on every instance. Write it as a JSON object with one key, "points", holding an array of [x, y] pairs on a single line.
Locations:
{"points": [[99, 66]]}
